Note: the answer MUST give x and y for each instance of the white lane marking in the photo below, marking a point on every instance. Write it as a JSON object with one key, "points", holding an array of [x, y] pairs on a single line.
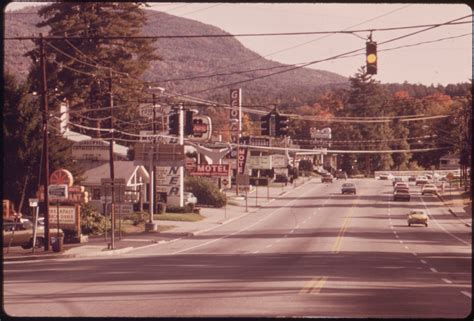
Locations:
{"points": [[415, 254], [292, 231], [241, 230], [433, 270], [395, 232], [391, 226], [423, 261], [397, 236], [447, 281], [255, 252], [466, 294], [401, 241], [442, 227], [406, 247]]}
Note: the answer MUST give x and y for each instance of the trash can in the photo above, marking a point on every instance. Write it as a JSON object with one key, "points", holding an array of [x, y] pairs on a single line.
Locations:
{"points": [[57, 243]]}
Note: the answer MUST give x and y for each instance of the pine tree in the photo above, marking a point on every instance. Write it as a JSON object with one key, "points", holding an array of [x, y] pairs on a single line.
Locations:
{"points": [[78, 65]]}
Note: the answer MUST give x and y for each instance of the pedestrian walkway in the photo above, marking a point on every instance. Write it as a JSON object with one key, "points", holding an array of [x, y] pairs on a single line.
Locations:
{"points": [[238, 206]]}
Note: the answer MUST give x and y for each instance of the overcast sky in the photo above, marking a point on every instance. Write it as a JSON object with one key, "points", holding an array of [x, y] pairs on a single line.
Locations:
{"points": [[439, 62]]}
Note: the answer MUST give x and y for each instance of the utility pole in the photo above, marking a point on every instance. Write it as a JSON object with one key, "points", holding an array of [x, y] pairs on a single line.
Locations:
{"points": [[151, 226], [111, 161], [181, 169], [44, 93]]}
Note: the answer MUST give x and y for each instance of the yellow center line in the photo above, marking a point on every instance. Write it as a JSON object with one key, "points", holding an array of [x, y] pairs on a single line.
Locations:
{"points": [[314, 286]]}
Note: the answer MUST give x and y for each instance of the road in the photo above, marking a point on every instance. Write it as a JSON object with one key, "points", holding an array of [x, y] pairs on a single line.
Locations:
{"points": [[312, 252]]}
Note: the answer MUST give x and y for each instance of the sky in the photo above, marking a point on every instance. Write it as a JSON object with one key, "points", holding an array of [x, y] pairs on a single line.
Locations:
{"points": [[438, 62]]}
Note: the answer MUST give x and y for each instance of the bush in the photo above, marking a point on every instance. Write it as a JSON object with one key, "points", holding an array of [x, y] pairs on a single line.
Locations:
{"points": [[206, 191], [188, 208], [92, 222]]}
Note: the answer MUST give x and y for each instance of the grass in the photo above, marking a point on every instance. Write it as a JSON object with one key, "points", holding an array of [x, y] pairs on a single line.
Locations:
{"points": [[180, 217], [128, 227]]}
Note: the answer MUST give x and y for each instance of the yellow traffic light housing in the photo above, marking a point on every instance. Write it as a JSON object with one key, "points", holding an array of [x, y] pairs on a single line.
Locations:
{"points": [[371, 57]]}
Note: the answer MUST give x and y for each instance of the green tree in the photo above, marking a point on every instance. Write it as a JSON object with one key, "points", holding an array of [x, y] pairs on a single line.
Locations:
{"points": [[23, 142], [99, 41]]}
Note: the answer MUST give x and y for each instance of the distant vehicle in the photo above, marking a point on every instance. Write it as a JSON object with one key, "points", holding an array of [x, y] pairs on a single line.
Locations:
{"points": [[396, 179], [417, 217], [421, 180], [348, 188], [341, 175], [400, 184], [189, 198], [412, 178], [385, 176], [429, 189], [23, 234], [429, 176], [327, 178], [401, 194]]}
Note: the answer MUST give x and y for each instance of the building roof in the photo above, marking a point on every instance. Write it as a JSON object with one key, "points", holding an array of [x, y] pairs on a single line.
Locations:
{"points": [[122, 169]]}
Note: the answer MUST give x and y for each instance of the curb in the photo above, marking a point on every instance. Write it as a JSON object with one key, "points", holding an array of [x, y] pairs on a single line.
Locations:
{"points": [[452, 212]]}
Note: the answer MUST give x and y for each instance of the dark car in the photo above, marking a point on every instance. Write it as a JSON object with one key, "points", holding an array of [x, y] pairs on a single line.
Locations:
{"points": [[401, 194], [348, 188], [327, 178], [412, 178], [341, 175]]}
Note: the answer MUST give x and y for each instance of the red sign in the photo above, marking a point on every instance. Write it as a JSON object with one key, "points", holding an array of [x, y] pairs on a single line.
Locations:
{"points": [[211, 170], [61, 176]]}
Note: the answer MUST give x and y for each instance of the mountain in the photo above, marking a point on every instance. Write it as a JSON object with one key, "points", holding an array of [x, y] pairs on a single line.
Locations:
{"points": [[223, 57]]}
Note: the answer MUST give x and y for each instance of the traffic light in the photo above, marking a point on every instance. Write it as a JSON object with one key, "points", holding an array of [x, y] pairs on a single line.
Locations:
{"points": [[173, 124], [371, 57], [265, 125], [188, 122], [198, 123], [282, 125]]}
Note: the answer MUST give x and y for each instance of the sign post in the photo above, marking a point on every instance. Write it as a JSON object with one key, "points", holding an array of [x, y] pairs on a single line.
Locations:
{"points": [[34, 204]]}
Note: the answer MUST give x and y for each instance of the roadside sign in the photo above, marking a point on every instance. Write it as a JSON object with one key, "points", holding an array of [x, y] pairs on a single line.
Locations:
{"points": [[93, 149], [57, 192], [61, 176], [33, 202]]}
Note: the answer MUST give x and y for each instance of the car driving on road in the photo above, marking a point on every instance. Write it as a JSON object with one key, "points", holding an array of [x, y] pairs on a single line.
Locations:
{"points": [[417, 217], [401, 194], [348, 188], [429, 189], [327, 178]]}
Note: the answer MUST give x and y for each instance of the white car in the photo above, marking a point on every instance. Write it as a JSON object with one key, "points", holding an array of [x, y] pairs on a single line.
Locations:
{"points": [[189, 198], [417, 217], [429, 189]]}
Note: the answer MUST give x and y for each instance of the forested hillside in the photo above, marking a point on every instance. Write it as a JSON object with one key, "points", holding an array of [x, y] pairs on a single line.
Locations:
{"points": [[194, 59]]}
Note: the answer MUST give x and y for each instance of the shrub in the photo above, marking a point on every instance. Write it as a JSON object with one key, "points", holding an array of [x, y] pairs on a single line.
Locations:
{"points": [[206, 191], [92, 222]]}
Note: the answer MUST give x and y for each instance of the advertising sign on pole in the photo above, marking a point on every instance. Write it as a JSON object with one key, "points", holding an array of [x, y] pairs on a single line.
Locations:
{"points": [[58, 192]]}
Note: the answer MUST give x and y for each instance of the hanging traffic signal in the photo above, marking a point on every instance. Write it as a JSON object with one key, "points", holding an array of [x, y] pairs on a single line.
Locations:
{"points": [[198, 126], [173, 124], [371, 57], [265, 125], [188, 122], [281, 125]]}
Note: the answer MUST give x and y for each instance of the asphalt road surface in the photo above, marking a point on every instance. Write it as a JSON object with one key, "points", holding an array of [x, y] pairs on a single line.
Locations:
{"points": [[313, 252]]}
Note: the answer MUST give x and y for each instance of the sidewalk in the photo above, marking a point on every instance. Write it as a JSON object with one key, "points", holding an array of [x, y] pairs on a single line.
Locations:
{"points": [[458, 203], [170, 230]]}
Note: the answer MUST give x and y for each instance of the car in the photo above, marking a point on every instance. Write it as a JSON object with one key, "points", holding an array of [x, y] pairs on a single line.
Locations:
{"points": [[401, 194], [348, 188], [417, 217], [396, 179], [400, 184], [341, 175], [189, 198], [327, 178], [421, 180], [385, 176], [16, 233], [412, 178], [429, 189]]}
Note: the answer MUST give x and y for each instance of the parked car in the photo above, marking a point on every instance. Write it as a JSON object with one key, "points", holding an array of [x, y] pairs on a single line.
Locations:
{"points": [[23, 234], [341, 175], [348, 188], [385, 176], [417, 217], [429, 189], [327, 178], [189, 198], [421, 180], [401, 194]]}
